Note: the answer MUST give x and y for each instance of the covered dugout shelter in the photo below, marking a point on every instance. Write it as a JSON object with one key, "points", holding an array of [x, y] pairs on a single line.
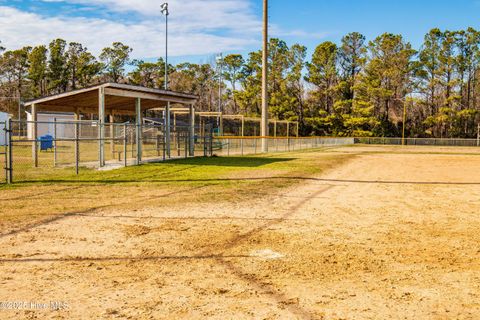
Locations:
{"points": [[110, 99]]}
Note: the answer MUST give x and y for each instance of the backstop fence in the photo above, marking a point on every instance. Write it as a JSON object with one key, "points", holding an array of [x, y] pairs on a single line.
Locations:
{"points": [[4, 174], [70, 146], [234, 146]]}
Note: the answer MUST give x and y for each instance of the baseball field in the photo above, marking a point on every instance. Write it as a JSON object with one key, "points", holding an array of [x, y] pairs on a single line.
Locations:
{"points": [[355, 232]]}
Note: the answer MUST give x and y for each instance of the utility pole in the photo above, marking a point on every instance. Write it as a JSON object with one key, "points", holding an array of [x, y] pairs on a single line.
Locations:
{"points": [[220, 79], [264, 126]]}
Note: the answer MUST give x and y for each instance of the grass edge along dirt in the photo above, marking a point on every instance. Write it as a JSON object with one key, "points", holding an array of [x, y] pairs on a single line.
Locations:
{"points": [[163, 185]]}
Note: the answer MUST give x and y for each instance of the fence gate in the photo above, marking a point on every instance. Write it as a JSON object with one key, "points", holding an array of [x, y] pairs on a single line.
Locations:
{"points": [[3, 152]]}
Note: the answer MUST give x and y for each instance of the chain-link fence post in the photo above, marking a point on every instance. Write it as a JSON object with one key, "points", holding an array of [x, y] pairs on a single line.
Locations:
{"points": [[210, 137], [187, 138], [164, 145], [55, 142], [125, 145], [9, 143], [77, 146], [204, 144]]}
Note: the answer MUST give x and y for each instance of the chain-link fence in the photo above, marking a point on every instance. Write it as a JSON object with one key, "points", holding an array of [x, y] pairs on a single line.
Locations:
{"points": [[32, 151], [245, 146], [3, 152], [42, 150]]}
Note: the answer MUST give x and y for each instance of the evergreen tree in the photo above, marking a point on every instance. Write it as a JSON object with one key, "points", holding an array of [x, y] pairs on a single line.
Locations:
{"points": [[57, 67], [38, 70], [115, 58]]}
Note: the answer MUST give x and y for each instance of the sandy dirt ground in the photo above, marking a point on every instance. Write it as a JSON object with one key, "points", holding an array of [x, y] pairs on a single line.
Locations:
{"points": [[384, 236]]}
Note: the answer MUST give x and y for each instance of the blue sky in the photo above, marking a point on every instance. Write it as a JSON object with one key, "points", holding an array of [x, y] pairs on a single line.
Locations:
{"points": [[201, 28]]}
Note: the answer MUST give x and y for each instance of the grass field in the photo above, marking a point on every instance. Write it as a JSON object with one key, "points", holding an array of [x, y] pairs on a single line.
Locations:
{"points": [[362, 232]]}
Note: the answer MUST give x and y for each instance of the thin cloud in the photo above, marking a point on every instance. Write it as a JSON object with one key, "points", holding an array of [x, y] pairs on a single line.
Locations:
{"points": [[197, 27], [19, 28]]}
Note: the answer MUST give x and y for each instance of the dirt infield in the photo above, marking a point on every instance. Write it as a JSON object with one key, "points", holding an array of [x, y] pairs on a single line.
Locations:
{"points": [[391, 234]]}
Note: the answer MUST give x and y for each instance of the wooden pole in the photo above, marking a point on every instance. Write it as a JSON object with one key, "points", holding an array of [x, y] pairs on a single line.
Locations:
{"points": [[264, 126]]}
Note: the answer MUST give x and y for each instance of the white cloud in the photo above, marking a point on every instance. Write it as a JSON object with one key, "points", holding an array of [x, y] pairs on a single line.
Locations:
{"points": [[196, 27]]}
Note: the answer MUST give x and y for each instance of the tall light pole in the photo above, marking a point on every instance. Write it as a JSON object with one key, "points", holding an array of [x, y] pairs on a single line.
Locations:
{"points": [[166, 13], [264, 126]]}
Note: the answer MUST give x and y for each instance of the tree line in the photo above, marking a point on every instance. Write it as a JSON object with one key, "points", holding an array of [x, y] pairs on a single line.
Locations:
{"points": [[354, 88]]}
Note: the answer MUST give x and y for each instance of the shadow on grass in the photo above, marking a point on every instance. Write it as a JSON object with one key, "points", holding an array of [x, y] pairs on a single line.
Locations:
{"points": [[187, 170], [240, 162]]}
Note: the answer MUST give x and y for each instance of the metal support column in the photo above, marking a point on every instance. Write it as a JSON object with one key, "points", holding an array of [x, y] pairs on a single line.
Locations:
{"points": [[191, 127], [9, 164], [77, 146], [34, 136], [101, 126], [125, 145], [55, 142], [112, 133], [138, 110], [167, 129]]}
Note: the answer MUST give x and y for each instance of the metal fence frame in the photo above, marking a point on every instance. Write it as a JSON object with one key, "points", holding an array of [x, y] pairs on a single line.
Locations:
{"points": [[146, 143], [140, 143], [227, 146], [4, 153]]}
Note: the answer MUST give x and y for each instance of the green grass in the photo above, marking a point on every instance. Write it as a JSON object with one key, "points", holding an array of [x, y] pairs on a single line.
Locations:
{"points": [[171, 184]]}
